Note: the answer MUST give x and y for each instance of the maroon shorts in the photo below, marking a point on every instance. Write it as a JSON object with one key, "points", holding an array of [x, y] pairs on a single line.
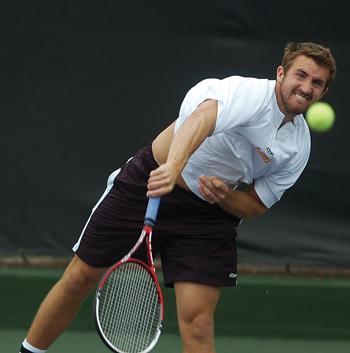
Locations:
{"points": [[195, 239]]}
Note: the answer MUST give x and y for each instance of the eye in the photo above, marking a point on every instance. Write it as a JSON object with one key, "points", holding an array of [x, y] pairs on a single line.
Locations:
{"points": [[300, 74], [319, 84]]}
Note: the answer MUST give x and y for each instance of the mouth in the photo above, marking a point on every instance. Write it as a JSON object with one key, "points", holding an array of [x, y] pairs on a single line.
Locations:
{"points": [[303, 97]]}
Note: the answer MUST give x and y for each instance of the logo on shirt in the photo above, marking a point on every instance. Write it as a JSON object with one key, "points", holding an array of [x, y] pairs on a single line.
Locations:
{"points": [[266, 155]]}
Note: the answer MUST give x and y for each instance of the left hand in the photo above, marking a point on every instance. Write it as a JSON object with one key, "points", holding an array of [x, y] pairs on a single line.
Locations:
{"points": [[212, 188]]}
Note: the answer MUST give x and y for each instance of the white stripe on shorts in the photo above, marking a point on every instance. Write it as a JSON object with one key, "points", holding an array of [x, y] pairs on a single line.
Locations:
{"points": [[110, 181]]}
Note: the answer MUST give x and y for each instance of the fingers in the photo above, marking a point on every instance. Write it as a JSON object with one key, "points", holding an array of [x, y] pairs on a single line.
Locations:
{"points": [[161, 181], [212, 188]]}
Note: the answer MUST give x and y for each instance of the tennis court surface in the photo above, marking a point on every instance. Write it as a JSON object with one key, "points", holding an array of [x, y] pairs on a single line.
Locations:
{"points": [[263, 314]]}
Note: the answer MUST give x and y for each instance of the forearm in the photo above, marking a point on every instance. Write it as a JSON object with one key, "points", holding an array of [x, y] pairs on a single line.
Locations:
{"points": [[199, 125], [242, 204]]}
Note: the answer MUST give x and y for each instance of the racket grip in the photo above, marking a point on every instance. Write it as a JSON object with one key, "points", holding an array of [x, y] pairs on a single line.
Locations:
{"points": [[152, 211]]}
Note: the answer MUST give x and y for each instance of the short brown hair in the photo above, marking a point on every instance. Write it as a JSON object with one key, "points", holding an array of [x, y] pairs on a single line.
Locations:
{"points": [[320, 54]]}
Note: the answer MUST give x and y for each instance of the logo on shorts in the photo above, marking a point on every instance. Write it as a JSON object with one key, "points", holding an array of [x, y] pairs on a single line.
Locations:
{"points": [[266, 155], [232, 275]]}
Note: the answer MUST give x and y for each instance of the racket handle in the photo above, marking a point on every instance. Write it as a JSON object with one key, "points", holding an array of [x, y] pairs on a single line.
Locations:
{"points": [[152, 211]]}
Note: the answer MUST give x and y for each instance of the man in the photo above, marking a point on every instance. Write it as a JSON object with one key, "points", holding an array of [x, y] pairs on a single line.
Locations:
{"points": [[231, 131]]}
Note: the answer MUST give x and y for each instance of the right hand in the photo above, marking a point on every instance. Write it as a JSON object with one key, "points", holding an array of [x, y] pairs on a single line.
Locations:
{"points": [[162, 180]]}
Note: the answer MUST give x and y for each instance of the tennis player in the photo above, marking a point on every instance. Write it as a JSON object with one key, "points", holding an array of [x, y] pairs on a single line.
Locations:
{"points": [[229, 132]]}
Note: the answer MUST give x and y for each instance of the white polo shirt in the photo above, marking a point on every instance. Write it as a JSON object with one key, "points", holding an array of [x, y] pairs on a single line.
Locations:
{"points": [[248, 143]]}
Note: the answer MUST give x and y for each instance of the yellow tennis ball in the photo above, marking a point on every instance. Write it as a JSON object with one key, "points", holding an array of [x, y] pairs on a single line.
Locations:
{"points": [[320, 117]]}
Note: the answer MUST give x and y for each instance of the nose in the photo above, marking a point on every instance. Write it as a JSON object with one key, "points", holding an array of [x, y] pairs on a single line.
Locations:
{"points": [[306, 88]]}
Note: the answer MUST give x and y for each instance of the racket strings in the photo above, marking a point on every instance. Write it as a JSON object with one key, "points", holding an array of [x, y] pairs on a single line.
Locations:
{"points": [[129, 309]]}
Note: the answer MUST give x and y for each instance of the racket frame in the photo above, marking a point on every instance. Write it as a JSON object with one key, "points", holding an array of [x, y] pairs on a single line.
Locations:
{"points": [[146, 235]]}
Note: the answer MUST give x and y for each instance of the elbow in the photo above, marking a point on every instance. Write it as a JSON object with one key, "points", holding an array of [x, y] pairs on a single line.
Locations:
{"points": [[250, 210], [257, 207], [258, 210]]}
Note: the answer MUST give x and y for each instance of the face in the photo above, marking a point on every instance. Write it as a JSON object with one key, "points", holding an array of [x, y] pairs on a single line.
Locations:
{"points": [[303, 84]]}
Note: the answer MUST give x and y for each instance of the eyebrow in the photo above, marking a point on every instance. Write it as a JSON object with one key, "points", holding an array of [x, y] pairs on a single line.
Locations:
{"points": [[320, 80]]}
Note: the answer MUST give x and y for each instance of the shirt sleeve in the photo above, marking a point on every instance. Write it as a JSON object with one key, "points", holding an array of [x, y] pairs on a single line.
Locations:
{"points": [[271, 188], [239, 101]]}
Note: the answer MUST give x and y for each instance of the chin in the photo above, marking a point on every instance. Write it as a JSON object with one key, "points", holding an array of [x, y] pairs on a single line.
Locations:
{"points": [[299, 108], [296, 110]]}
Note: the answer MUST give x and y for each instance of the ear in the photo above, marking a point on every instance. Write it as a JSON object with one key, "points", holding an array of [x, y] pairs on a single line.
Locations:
{"points": [[280, 74], [324, 91]]}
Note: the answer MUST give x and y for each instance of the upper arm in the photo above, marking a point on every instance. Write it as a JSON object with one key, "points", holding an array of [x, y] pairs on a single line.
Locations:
{"points": [[208, 111], [196, 128], [252, 192]]}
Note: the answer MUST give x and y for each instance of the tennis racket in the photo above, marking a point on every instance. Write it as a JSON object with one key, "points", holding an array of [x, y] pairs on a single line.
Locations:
{"points": [[129, 302]]}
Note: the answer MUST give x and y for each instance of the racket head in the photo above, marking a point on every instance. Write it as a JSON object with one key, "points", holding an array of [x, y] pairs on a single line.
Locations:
{"points": [[129, 307]]}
